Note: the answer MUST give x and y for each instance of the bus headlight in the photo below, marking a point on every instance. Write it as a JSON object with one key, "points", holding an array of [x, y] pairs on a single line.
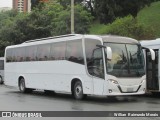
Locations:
{"points": [[113, 81]]}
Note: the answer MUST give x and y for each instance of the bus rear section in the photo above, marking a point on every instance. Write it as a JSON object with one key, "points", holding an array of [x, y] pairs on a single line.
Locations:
{"points": [[1, 70]]}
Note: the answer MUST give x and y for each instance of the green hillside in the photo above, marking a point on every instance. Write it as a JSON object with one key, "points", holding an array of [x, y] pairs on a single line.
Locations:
{"points": [[148, 19], [98, 28], [150, 16]]}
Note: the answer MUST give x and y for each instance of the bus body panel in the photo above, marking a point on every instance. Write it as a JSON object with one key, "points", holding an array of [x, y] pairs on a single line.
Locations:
{"points": [[48, 74], [57, 75]]}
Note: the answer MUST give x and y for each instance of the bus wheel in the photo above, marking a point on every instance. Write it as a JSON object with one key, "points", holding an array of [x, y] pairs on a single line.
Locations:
{"points": [[1, 80], [78, 91], [22, 86]]}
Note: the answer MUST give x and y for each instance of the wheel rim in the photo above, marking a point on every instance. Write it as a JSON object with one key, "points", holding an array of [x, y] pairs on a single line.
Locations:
{"points": [[22, 86], [78, 90]]}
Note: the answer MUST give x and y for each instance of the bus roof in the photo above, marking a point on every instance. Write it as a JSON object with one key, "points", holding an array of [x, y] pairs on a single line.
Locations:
{"points": [[113, 39], [118, 39], [61, 36], [154, 44], [104, 38]]}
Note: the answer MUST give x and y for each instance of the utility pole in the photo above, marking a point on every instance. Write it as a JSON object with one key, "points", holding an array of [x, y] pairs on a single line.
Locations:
{"points": [[72, 16]]}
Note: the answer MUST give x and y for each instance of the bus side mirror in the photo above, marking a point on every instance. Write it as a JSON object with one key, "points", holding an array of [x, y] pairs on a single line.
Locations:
{"points": [[108, 50], [152, 54]]}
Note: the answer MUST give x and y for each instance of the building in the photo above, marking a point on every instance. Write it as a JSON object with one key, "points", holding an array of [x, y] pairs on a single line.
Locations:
{"points": [[22, 5]]}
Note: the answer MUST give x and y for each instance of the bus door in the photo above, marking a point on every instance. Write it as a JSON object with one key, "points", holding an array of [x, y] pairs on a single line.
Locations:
{"points": [[152, 70], [95, 65], [98, 71]]}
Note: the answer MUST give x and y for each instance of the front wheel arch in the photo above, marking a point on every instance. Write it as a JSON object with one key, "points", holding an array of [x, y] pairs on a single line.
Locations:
{"points": [[74, 84]]}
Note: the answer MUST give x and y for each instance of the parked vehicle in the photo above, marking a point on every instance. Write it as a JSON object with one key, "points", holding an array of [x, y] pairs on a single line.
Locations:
{"points": [[1, 70], [79, 64], [152, 67]]}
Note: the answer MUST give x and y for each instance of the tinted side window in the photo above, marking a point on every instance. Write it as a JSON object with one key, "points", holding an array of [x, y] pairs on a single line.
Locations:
{"points": [[1, 64], [75, 52], [58, 51], [13, 55], [94, 58], [8, 55], [43, 52], [19, 54], [31, 53]]}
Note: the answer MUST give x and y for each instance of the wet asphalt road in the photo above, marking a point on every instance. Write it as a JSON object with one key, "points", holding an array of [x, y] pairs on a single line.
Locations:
{"points": [[12, 100]]}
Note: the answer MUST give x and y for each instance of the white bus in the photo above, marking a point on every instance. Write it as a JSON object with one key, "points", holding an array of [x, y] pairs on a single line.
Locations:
{"points": [[78, 64], [152, 67], [1, 70]]}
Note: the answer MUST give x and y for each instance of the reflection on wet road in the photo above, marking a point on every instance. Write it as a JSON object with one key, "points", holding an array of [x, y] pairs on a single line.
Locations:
{"points": [[12, 100]]}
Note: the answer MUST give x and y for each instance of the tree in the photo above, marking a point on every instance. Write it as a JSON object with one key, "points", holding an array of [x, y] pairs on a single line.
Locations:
{"points": [[61, 24], [131, 7], [45, 20], [90, 6], [7, 19], [107, 10], [34, 3], [130, 27]]}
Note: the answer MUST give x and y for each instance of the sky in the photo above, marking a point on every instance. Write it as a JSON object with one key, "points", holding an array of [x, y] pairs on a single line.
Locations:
{"points": [[6, 3]]}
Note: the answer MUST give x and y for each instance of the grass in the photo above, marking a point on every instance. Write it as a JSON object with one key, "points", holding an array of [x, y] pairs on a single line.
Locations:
{"points": [[97, 28], [150, 16]]}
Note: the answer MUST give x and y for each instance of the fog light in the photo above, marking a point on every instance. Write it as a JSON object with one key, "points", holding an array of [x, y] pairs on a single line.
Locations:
{"points": [[110, 91]]}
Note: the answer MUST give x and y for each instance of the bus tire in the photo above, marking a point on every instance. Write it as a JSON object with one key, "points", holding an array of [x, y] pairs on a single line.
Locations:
{"points": [[1, 80], [22, 86], [78, 91]]}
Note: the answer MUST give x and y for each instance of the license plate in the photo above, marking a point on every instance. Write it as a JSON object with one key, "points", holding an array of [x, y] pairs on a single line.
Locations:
{"points": [[129, 89]]}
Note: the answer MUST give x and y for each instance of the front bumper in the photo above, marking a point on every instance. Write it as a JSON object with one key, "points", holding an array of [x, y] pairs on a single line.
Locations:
{"points": [[112, 89]]}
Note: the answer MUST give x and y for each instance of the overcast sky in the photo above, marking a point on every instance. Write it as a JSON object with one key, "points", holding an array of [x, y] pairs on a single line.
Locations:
{"points": [[6, 3]]}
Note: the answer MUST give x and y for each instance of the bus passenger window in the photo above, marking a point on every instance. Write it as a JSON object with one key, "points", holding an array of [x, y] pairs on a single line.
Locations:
{"points": [[58, 51], [9, 55], [43, 52], [31, 53], [74, 52], [20, 54]]}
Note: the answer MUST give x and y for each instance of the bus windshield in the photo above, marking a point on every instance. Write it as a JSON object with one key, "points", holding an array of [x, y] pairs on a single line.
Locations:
{"points": [[127, 60]]}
